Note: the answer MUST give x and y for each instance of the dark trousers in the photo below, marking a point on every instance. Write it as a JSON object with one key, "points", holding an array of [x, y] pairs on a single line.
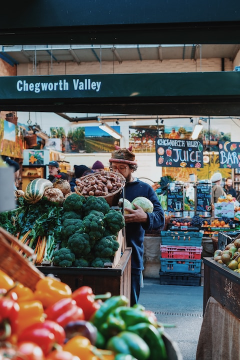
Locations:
{"points": [[135, 288]]}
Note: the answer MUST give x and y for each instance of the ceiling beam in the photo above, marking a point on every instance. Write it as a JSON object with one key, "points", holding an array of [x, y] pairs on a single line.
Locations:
{"points": [[114, 50], [193, 52], [139, 52], [95, 54], [74, 55], [160, 53], [52, 56]]}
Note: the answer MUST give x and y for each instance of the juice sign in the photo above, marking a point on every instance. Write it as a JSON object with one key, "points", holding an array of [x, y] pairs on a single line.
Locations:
{"points": [[229, 154], [179, 153]]}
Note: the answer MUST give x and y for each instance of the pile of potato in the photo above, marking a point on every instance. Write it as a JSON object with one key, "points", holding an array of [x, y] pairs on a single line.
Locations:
{"points": [[99, 184]]}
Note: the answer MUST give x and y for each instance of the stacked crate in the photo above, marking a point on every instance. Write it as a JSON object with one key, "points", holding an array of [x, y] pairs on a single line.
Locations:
{"points": [[180, 258]]}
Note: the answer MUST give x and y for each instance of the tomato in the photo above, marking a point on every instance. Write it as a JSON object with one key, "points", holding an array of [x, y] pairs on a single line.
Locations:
{"points": [[30, 351]]}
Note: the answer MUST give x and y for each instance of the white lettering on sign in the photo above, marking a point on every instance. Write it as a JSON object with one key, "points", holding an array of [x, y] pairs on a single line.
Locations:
{"points": [[23, 85], [60, 85]]}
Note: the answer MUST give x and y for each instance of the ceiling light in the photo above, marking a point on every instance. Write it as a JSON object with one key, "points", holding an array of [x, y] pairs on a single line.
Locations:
{"points": [[191, 120], [196, 131], [162, 121], [110, 131], [117, 122]]}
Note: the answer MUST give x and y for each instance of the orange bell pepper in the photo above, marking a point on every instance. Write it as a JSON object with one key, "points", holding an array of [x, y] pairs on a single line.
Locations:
{"points": [[82, 347], [5, 281], [24, 293], [30, 312], [50, 290]]}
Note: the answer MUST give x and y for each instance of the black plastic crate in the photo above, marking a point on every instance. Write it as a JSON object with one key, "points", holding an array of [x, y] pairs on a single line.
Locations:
{"points": [[184, 279]]}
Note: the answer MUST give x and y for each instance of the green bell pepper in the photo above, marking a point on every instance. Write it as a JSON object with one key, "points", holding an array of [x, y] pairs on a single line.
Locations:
{"points": [[153, 339], [124, 357], [123, 317], [100, 316], [129, 343]]}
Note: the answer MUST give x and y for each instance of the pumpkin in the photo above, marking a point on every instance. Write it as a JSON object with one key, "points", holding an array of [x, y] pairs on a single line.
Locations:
{"points": [[35, 190]]}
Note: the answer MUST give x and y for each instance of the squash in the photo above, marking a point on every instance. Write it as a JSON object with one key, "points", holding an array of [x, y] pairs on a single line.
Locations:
{"points": [[35, 190]]}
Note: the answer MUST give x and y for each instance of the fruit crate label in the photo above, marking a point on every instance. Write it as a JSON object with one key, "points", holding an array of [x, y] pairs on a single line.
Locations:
{"points": [[179, 153], [229, 154]]}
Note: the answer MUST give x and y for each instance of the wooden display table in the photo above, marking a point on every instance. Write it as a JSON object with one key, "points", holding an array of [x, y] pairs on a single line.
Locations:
{"points": [[116, 280], [223, 285]]}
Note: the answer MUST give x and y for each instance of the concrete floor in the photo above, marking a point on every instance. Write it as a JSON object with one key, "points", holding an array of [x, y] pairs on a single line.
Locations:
{"points": [[179, 305]]}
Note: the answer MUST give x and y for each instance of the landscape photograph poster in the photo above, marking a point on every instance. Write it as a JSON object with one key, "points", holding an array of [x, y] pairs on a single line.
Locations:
{"points": [[142, 138], [87, 139], [97, 140], [11, 140]]}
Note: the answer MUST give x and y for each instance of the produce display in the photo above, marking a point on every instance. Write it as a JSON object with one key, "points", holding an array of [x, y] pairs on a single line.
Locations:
{"points": [[230, 256], [68, 231], [53, 323], [99, 184]]}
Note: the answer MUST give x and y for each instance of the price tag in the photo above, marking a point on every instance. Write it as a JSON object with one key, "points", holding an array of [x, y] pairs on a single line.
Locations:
{"points": [[184, 228]]}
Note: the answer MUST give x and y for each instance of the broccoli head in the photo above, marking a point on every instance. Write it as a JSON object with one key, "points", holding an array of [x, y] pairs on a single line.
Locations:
{"points": [[70, 215], [94, 225], [96, 203], [79, 243], [81, 263], [114, 221], [70, 226], [97, 213], [99, 262], [63, 257], [74, 202], [106, 247]]}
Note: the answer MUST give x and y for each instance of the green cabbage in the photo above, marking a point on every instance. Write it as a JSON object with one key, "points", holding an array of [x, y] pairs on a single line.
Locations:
{"points": [[144, 203], [127, 205]]}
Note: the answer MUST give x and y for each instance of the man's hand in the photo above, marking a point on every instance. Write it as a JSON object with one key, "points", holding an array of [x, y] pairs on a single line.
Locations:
{"points": [[137, 215]]}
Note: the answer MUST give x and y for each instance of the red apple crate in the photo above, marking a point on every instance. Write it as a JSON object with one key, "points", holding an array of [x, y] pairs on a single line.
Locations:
{"points": [[181, 252]]}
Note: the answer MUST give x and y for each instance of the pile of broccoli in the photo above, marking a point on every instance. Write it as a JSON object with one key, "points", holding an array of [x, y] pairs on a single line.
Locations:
{"points": [[89, 230]]}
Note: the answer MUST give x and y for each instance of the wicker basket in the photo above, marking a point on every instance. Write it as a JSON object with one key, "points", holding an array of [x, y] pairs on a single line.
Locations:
{"points": [[14, 264], [113, 197]]}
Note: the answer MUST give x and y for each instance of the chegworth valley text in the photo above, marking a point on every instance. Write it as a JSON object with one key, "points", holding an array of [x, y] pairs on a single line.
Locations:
{"points": [[60, 85]]}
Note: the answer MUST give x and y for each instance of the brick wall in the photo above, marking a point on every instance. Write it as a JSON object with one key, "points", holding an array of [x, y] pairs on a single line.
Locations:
{"points": [[6, 70], [107, 67]]}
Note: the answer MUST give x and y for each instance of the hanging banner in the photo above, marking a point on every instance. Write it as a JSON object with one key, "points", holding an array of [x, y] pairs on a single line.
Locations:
{"points": [[229, 154], [179, 153]]}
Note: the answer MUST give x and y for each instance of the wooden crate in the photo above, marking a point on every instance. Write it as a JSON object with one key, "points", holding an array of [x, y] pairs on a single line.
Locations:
{"points": [[116, 280]]}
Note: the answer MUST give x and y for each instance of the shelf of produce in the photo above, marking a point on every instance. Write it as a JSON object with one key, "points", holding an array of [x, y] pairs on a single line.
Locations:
{"points": [[115, 280], [223, 284]]}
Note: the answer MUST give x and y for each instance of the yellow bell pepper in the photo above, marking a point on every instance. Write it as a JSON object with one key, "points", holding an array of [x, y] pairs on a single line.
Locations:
{"points": [[24, 293], [5, 281], [30, 312], [50, 290], [82, 347]]}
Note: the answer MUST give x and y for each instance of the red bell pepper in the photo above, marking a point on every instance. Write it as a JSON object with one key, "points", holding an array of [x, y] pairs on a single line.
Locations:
{"points": [[64, 311], [56, 329], [9, 310], [28, 351], [85, 299], [40, 336]]}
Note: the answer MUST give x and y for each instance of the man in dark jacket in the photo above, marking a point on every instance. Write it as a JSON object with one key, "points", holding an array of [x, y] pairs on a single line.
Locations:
{"points": [[123, 161], [228, 188]]}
